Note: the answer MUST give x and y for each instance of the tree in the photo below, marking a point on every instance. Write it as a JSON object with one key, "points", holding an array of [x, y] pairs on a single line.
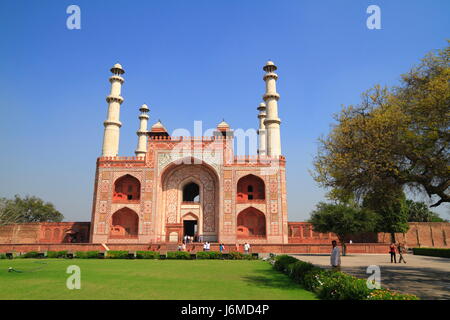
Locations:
{"points": [[342, 220], [390, 205], [419, 212], [396, 136], [28, 209]]}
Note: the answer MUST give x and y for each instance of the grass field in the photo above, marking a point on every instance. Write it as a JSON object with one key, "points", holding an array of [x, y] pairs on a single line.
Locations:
{"points": [[147, 279]]}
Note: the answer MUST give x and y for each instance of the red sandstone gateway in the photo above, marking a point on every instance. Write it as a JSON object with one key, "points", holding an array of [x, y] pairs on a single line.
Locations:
{"points": [[196, 187]]}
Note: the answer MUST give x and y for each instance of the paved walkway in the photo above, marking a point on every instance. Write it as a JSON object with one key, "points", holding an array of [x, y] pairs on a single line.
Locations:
{"points": [[426, 277]]}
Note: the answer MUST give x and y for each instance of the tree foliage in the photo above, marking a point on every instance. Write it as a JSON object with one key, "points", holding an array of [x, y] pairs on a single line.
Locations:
{"points": [[390, 205], [342, 220], [28, 209], [419, 212], [395, 137]]}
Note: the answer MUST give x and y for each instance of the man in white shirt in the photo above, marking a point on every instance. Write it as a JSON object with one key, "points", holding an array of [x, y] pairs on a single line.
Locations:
{"points": [[246, 248], [335, 259]]}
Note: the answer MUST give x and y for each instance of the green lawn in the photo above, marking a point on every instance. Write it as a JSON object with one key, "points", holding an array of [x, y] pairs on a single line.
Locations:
{"points": [[147, 279]]}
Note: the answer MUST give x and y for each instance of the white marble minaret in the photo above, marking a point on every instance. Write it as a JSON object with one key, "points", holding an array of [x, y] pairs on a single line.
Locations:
{"points": [[112, 124], [272, 122], [141, 149], [262, 130]]}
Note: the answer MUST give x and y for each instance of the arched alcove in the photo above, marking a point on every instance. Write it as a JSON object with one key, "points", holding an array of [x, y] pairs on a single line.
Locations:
{"points": [[127, 188], [124, 224], [251, 223], [250, 188], [191, 192]]}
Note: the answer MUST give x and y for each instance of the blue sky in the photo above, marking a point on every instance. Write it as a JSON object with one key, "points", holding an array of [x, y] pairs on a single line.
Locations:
{"points": [[189, 60]]}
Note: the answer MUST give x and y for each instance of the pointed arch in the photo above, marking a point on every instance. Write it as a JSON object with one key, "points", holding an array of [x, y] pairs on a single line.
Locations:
{"points": [[251, 223], [124, 224], [250, 188], [127, 189]]}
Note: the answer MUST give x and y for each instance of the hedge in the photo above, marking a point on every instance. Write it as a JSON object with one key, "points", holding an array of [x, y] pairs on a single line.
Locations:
{"points": [[57, 254], [87, 254], [147, 255], [332, 285], [178, 255], [433, 252], [240, 256], [118, 254], [209, 255], [31, 254], [2, 256]]}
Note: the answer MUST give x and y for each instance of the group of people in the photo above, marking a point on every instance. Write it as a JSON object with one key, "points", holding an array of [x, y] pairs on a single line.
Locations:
{"points": [[189, 239], [207, 245], [335, 256], [397, 248]]}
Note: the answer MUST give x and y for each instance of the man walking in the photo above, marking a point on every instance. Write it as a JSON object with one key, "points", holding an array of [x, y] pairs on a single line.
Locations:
{"points": [[246, 248], [401, 251], [392, 253], [335, 258]]}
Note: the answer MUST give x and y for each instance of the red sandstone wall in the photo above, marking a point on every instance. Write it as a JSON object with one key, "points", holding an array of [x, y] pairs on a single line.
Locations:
{"points": [[45, 232], [164, 247], [301, 236], [422, 234]]}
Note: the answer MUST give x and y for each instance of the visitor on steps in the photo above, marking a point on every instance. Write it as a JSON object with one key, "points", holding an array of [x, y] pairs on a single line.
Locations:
{"points": [[335, 257], [392, 253]]}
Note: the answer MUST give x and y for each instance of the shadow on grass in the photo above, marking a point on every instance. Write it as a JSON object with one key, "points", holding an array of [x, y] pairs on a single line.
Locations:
{"points": [[272, 279]]}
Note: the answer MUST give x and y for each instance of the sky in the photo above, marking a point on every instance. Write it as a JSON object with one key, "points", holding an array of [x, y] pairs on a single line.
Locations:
{"points": [[190, 60]]}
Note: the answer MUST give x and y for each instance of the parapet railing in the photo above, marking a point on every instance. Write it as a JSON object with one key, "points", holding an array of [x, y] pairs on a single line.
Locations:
{"points": [[189, 138]]}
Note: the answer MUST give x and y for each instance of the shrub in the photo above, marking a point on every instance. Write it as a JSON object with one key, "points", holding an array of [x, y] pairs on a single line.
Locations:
{"points": [[332, 285], [385, 294], [433, 252], [57, 254], [117, 254], [340, 286], [178, 255], [147, 255], [282, 262], [86, 254], [209, 255], [31, 254], [2, 256]]}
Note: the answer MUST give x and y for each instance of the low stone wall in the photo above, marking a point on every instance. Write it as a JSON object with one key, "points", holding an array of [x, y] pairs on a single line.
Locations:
{"points": [[45, 232], [422, 234], [195, 247]]}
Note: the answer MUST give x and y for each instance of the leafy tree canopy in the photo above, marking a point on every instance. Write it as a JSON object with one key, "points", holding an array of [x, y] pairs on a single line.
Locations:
{"points": [[419, 212], [342, 220], [28, 209], [395, 137]]}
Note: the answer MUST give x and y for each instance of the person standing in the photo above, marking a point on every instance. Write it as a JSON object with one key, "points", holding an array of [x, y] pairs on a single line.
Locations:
{"points": [[335, 257], [392, 253], [246, 248], [401, 251], [221, 248], [208, 246]]}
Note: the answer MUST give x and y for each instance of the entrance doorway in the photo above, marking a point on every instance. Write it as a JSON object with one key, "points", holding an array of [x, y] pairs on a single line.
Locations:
{"points": [[190, 227]]}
